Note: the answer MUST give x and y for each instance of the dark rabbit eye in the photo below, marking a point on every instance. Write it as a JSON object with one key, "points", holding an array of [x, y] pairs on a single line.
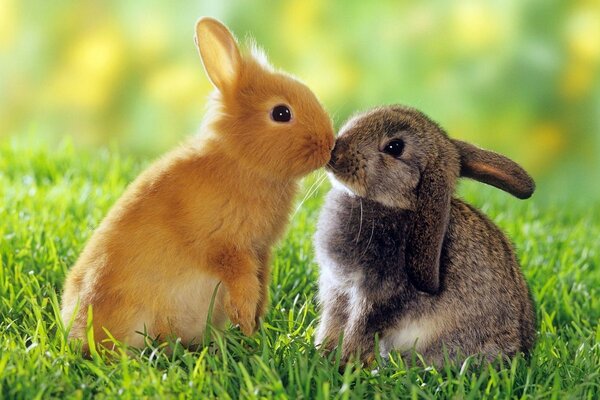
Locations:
{"points": [[394, 148], [281, 113]]}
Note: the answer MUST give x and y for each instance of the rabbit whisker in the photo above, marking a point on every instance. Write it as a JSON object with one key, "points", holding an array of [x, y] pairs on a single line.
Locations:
{"points": [[364, 253], [310, 192], [280, 198], [360, 221], [350, 217]]}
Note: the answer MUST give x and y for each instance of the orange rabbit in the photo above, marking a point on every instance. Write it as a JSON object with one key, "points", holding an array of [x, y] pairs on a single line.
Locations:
{"points": [[205, 213]]}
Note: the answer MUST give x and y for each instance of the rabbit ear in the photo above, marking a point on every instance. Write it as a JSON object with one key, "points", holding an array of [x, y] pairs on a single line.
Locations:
{"points": [[219, 52], [424, 247], [494, 169]]}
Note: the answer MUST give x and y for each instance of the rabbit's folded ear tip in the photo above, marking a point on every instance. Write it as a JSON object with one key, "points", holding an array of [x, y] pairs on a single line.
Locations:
{"points": [[494, 169], [426, 286], [527, 191]]}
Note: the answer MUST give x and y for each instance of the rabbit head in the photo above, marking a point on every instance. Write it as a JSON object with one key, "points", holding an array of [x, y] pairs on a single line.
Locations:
{"points": [[264, 118], [401, 159]]}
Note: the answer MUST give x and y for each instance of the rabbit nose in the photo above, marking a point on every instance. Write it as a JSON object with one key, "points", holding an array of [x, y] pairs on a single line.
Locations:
{"points": [[334, 157], [336, 154], [330, 142]]}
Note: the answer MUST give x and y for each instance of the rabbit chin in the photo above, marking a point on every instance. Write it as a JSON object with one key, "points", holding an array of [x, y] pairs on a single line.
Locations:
{"points": [[338, 184]]}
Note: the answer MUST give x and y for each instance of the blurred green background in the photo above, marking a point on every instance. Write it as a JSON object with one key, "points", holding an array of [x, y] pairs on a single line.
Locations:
{"points": [[519, 77]]}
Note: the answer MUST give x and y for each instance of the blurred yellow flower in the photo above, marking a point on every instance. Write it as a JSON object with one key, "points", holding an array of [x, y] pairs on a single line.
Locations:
{"points": [[151, 39], [323, 67], [8, 20], [546, 142], [91, 70], [476, 25], [300, 23], [583, 33], [577, 79], [341, 77], [178, 85]]}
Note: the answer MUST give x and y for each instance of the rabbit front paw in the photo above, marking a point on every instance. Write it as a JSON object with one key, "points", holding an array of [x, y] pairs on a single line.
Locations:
{"points": [[364, 357], [359, 348], [241, 312]]}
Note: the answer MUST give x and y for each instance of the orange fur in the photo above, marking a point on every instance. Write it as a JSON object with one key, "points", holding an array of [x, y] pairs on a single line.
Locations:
{"points": [[207, 212]]}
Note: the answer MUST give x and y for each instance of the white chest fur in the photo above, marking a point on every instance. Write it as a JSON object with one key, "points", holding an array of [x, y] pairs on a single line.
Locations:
{"points": [[408, 334], [186, 305]]}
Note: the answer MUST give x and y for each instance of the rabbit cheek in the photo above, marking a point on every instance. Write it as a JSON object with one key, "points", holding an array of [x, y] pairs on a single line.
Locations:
{"points": [[393, 187], [320, 152]]}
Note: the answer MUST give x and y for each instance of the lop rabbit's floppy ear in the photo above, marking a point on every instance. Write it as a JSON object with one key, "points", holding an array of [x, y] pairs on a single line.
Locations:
{"points": [[424, 247], [219, 52], [494, 169]]}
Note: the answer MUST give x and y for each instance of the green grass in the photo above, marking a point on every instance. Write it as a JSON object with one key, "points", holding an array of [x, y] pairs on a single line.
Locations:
{"points": [[52, 200]]}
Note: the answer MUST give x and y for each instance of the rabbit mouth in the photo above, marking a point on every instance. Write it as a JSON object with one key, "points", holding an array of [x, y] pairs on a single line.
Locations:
{"points": [[350, 186], [336, 183]]}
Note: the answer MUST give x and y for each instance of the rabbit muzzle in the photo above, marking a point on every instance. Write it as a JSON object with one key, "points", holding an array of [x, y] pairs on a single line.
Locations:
{"points": [[337, 152]]}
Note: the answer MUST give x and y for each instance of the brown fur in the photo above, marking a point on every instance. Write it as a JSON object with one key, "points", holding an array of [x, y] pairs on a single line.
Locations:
{"points": [[207, 212], [402, 259]]}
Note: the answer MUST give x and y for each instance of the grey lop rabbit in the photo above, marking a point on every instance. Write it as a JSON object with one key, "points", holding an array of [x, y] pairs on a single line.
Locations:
{"points": [[402, 258]]}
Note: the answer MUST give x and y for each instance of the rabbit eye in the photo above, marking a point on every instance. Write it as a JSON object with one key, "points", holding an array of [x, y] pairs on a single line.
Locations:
{"points": [[394, 148], [281, 113]]}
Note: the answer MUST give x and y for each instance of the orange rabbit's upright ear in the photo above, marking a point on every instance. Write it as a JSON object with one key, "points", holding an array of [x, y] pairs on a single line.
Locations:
{"points": [[219, 52], [494, 169]]}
